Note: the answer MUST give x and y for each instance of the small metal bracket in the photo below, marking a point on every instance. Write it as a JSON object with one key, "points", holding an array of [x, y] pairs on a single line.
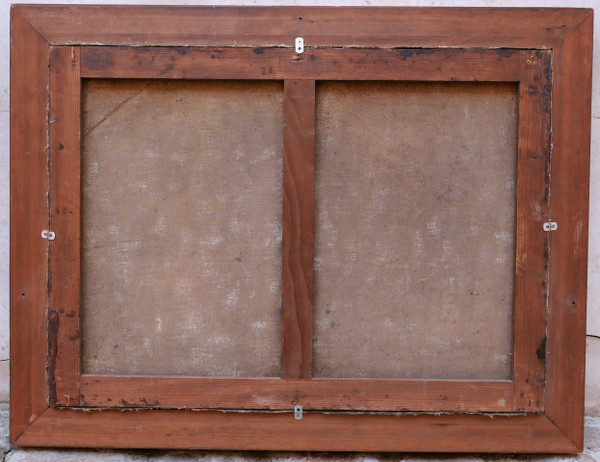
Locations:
{"points": [[299, 45], [48, 235], [298, 412], [550, 226]]}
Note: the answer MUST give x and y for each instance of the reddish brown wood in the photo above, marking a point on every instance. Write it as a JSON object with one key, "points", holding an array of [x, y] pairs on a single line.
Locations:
{"points": [[336, 394], [531, 246], [28, 217], [283, 63], [298, 219], [65, 207], [571, 116], [567, 31], [320, 26], [280, 431]]}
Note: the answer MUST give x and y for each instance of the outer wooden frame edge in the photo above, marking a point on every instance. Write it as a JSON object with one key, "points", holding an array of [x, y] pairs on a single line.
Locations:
{"points": [[571, 125], [568, 32], [280, 431], [417, 27], [28, 217]]}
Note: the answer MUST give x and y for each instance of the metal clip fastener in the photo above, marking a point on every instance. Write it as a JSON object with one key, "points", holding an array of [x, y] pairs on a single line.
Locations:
{"points": [[299, 45], [298, 412], [550, 226], [48, 235]]}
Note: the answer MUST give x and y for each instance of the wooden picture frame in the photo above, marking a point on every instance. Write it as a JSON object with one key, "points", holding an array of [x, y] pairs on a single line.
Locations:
{"points": [[548, 52]]}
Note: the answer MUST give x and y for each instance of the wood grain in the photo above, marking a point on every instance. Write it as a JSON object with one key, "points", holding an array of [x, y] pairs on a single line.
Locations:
{"points": [[571, 119], [28, 217], [280, 431], [320, 26], [274, 394], [568, 32], [282, 63], [298, 233], [65, 221], [532, 248]]}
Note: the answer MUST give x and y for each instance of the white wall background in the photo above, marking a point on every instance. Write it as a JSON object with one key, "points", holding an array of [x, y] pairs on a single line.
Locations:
{"points": [[593, 330]]}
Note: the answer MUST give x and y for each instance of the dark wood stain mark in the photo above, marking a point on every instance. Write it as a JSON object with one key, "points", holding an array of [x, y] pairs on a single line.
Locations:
{"points": [[53, 323], [405, 53], [145, 402], [181, 50], [506, 52], [98, 61], [541, 351]]}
